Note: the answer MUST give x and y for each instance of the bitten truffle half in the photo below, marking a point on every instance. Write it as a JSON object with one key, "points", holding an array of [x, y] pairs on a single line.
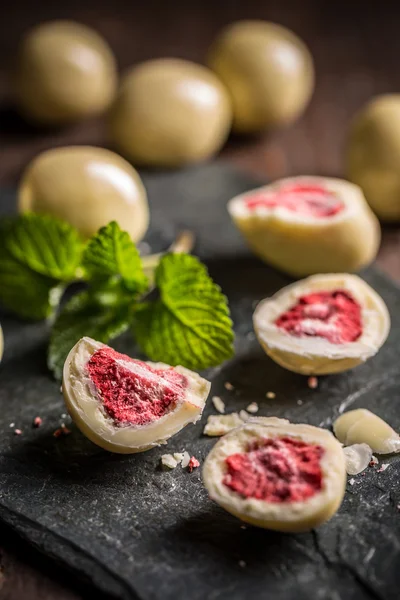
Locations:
{"points": [[308, 225], [126, 405], [277, 475], [322, 324]]}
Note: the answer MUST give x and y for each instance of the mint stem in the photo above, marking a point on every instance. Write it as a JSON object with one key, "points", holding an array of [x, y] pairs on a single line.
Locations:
{"points": [[183, 244]]}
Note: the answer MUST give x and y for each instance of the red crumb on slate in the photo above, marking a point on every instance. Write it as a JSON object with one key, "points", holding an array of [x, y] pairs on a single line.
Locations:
{"points": [[193, 464], [17, 431], [37, 421], [276, 470], [312, 383], [63, 430], [307, 199], [335, 316], [136, 395]]}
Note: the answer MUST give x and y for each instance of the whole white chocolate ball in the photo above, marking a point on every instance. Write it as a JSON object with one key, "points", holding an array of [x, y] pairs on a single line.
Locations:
{"points": [[88, 187]]}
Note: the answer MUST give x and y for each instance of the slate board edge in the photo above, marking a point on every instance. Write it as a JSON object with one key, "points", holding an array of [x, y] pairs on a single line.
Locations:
{"points": [[62, 552]]}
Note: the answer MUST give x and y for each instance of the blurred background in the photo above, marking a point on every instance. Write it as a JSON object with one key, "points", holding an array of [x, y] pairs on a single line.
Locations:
{"points": [[356, 49]]}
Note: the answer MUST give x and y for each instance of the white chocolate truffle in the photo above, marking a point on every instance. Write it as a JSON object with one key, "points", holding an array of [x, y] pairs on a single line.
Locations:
{"points": [[267, 70], [87, 187], [170, 113], [362, 426], [126, 405], [64, 72], [373, 155], [282, 476], [322, 324], [308, 225]]}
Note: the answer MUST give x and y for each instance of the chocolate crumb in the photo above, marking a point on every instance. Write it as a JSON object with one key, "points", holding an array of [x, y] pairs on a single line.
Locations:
{"points": [[228, 386], [312, 383], [37, 421], [17, 431]]}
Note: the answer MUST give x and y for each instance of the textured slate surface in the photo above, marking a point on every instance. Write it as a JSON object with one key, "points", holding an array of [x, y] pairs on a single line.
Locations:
{"points": [[139, 532]]}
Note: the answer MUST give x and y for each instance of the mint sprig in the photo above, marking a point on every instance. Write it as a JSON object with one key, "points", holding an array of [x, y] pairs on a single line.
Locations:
{"points": [[111, 253], [24, 291], [187, 323], [45, 245]]}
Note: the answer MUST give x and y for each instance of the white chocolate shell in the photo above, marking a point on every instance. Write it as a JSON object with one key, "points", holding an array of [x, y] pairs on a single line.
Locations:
{"points": [[87, 411], [301, 244], [281, 516], [361, 426], [316, 355]]}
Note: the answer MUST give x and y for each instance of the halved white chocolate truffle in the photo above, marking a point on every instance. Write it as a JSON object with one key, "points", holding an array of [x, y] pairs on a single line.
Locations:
{"points": [[277, 476], [126, 405], [361, 426], [322, 324], [307, 225]]}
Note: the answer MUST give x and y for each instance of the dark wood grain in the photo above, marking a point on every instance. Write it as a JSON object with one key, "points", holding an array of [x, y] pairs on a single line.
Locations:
{"points": [[356, 48]]}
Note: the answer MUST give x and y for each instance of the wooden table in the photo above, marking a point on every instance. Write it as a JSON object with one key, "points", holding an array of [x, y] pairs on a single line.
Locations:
{"points": [[356, 50]]}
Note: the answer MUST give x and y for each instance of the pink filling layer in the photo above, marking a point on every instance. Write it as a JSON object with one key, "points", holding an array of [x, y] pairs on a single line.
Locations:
{"points": [[276, 470], [138, 396], [335, 316], [306, 199]]}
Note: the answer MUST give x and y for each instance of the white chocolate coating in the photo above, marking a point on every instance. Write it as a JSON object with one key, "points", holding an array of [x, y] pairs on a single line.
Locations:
{"points": [[318, 356], [89, 415], [283, 516], [362, 426], [304, 245]]}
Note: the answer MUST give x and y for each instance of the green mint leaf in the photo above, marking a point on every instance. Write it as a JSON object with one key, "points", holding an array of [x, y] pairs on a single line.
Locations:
{"points": [[83, 316], [24, 292], [111, 253], [189, 324], [45, 245]]}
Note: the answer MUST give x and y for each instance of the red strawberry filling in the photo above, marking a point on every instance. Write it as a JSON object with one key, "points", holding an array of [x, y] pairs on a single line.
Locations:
{"points": [[276, 470], [335, 316], [131, 391], [307, 199]]}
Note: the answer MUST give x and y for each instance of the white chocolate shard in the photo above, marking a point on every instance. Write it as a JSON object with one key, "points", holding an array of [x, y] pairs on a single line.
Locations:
{"points": [[291, 516], [300, 243], [316, 355], [358, 457], [169, 461], [362, 426], [86, 407], [220, 425], [219, 404], [185, 459]]}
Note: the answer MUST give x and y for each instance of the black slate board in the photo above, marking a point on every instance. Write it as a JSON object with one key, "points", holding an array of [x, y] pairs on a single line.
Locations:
{"points": [[139, 532]]}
